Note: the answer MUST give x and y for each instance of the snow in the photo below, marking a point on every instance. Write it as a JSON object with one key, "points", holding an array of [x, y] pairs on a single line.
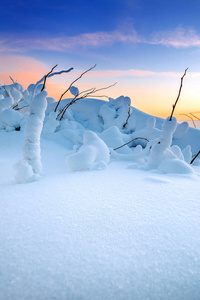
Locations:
{"points": [[93, 154], [97, 223]]}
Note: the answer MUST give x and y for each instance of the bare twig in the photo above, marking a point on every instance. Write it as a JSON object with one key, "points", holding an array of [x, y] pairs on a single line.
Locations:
{"points": [[18, 108], [45, 77], [84, 95], [195, 116], [129, 114], [71, 86], [190, 118], [174, 105], [12, 79], [138, 138], [195, 157]]}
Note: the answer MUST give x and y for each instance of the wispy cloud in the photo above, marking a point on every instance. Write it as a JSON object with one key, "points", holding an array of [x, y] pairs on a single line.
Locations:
{"points": [[96, 39], [138, 73], [179, 37]]}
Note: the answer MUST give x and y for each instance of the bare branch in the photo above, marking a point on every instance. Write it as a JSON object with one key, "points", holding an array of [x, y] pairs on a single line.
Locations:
{"points": [[129, 113], [190, 118], [45, 77], [99, 96], [87, 93], [18, 108], [12, 79], [195, 116], [138, 138], [105, 88], [174, 105], [71, 86], [195, 157]]}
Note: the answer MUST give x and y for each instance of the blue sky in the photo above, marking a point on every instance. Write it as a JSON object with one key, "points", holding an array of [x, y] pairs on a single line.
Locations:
{"points": [[144, 45]]}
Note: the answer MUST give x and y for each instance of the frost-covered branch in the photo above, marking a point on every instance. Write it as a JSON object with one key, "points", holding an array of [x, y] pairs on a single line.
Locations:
{"points": [[53, 74], [72, 85], [138, 138], [179, 93]]}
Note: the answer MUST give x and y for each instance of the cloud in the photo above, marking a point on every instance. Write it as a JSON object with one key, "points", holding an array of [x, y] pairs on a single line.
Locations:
{"points": [[22, 69], [138, 73], [179, 37], [85, 40]]}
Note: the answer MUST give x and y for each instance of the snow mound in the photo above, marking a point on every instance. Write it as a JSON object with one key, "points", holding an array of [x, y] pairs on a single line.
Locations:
{"points": [[10, 119], [93, 154]]}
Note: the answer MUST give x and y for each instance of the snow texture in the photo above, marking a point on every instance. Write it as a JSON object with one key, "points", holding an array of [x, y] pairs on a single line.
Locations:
{"points": [[118, 234]]}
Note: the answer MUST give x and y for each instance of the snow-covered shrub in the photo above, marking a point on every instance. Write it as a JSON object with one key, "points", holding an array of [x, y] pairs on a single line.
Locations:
{"points": [[116, 112], [149, 132], [51, 123], [181, 130], [164, 157], [93, 154], [31, 149], [11, 119]]}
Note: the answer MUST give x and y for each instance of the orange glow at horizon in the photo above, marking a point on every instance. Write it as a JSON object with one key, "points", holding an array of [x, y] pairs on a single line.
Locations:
{"points": [[152, 95]]}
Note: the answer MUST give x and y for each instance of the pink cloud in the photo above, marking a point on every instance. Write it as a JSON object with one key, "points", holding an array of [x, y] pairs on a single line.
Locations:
{"points": [[22, 69]]}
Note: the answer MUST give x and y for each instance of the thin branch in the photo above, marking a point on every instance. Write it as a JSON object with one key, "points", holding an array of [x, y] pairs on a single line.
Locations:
{"points": [[12, 79], [195, 157], [99, 96], [129, 114], [53, 74], [138, 138], [18, 108], [174, 105], [190, 118], [195, 116], [105, 88], [45, 77], [71, 86], [78, 97]]}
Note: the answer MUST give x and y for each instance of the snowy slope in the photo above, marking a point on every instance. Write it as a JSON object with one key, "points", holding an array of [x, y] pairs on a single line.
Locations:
{"points": [[111, 234], [98, 222]]}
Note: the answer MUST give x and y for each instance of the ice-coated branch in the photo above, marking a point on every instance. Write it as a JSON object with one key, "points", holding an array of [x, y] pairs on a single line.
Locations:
{"points": [[179, 93], [72, 84], [53, 74], [138, 138]]}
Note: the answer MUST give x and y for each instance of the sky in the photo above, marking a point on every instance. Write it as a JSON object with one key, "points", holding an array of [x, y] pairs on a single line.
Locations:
{"points": [[143, 45]]}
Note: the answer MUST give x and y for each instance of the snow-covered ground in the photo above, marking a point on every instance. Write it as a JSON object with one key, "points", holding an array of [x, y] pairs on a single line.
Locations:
{"points": [[123, 227]]}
